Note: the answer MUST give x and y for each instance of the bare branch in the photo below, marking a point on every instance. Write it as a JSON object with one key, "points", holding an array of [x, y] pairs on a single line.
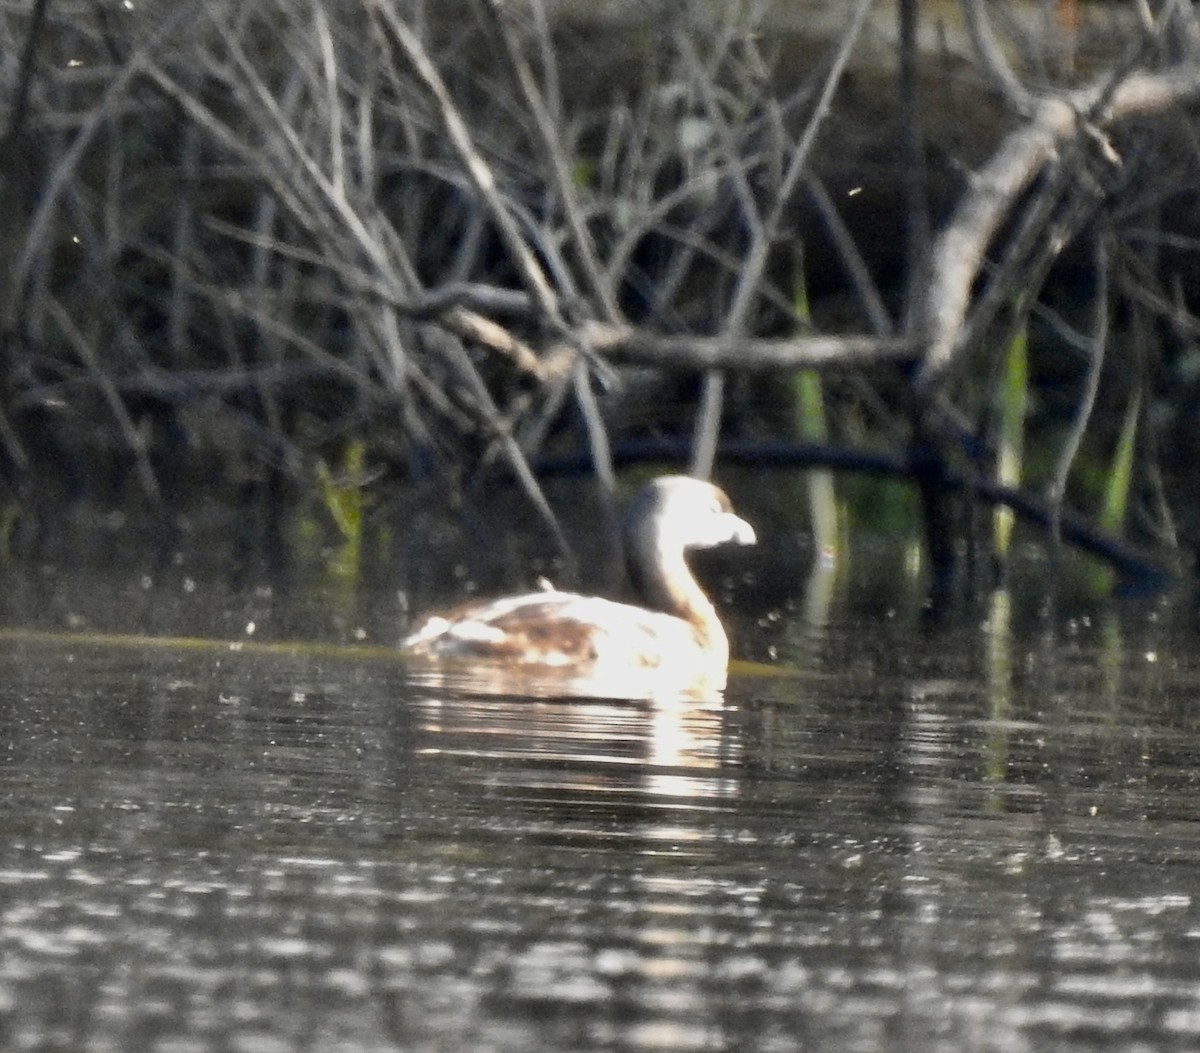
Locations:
{"points": [[754, 265], [36, 232], [987, 47], [958, 252], [134, 438], [481, 175], [625, 344], [551, 139], [20, 103]]}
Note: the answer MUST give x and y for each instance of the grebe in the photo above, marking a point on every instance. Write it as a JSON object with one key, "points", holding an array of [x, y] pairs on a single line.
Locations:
{"points": [[674, 642]]}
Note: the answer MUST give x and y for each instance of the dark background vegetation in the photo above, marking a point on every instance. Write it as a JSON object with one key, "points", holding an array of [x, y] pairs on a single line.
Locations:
{"points": [[268, 248]]}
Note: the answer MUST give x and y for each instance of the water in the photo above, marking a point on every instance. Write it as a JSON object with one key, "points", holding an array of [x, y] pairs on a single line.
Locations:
{"points": [[979, 838]]}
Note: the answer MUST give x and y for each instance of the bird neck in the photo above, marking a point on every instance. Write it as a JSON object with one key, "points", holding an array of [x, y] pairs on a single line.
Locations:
{"points": [[668, 584]]}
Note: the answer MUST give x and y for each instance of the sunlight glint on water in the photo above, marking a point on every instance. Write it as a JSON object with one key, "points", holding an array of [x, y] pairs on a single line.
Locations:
{"points": [[959, 840]]}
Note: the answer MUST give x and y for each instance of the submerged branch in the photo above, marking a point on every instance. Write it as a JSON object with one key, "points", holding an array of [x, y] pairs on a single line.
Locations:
{"points": [[1138, 566]]}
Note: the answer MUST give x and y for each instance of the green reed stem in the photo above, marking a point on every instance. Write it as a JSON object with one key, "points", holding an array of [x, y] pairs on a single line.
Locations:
{"points": [[808, 390], [1010, 440], [1120, 477]]}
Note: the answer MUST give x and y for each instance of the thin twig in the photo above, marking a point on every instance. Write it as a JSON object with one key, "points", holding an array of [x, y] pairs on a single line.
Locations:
{"points": [[915, 188], [37, 229], [597, 433], [333, 107], [481, 174], [134, 438], [755, 263], [501, 432], [991, 55], [551, 140], [20, 99], [856, 267]]}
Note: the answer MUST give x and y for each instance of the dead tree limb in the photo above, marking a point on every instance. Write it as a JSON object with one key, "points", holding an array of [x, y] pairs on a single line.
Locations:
{"points": [[641, 347], [958, 252]]}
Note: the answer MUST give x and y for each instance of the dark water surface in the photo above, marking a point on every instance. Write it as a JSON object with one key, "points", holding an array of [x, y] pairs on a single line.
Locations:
{"points": [[970, 839]]}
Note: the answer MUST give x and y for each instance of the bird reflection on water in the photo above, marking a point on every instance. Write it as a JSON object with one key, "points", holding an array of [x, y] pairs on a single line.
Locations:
{"points": [[589, 755]]}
